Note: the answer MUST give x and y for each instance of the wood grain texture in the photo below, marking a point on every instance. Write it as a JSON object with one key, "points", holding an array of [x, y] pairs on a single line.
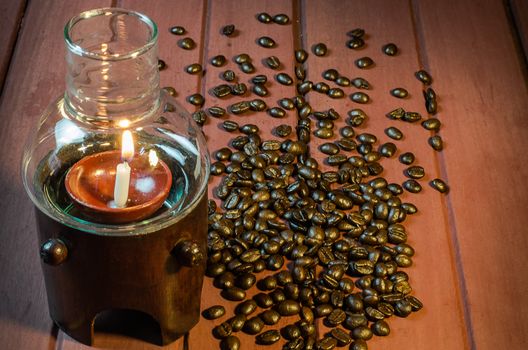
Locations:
{"points": [[36, 77], [328, 22], [11, 13], [486, 133]]}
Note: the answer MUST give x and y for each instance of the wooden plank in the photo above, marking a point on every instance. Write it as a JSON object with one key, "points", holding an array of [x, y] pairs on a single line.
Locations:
{"points": [[469, 50], [243, 16], [519, 9], [384, 22], [11, 13], [35, 79]]}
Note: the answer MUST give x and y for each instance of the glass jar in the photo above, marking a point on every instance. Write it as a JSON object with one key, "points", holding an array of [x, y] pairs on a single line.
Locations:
{"points": [[112, 85]]}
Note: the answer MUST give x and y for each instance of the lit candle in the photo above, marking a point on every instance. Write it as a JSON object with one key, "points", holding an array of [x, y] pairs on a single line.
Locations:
{"points": [[122, 180]]}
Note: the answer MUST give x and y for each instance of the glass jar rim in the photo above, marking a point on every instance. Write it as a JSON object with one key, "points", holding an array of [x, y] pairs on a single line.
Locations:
{"points": [[107, 11]]}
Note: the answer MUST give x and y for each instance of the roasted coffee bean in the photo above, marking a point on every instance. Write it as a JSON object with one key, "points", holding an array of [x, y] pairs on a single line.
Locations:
{"points": [[216, 111], [362, 332], [324, 133], [320, 49], [355, 319], [342, 81], [281, 18], [367, 138], [228, 75], [162, 65], [170, 90], [247, 67], [342, 337], [335, 93], [402, 308], [394, 133], [409, 208], [360, 83], [286, 103], [259, 79], [222, 331], [336, 317], [330, 74], [407, 158], [323, 310], [276, 112], [242, 58], [239, 107], [321, 87], [360, 97], [327, 343], [329, 148], [218, 61], [390, 49], [270, 317], [364, 62], [177, 30], [346, 144], [424, 77], [381, 328], [239, 89], [228, 30], [356, 33], [230, 126], [246, 307], [266, 41], [284, 79], [214, 312], [233, 294], [230, 343], [237, 322], [388, 149], [290, 332], [415, 172], [359, 344], [301, 56], [268, 337], [273, 62], [295, 344], [196, 100], [303, 88], [288, 308], [275, 262], [257, 105], [245, 281], [187, 43], [199, 117], [432, 124], [399, 92], [283, 130], [436, 142], [263, 17], [253, 325], [355, 43], [249, 129], [414, 302], [260, 90], [398, 113], [217, 168], [411, 117], [412, 186], [439, 185], [221, 90], [300, 73], [347, 132]]}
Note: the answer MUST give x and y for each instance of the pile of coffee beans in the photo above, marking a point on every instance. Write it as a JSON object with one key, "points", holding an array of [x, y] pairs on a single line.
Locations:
{"points": [[318, 245]]}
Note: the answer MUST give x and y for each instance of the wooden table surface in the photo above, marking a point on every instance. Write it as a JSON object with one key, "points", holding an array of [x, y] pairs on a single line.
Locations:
{"points": [[471, 263]]}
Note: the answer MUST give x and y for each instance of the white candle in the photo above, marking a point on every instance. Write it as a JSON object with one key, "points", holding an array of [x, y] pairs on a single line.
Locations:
{"points": [[122, 180]]}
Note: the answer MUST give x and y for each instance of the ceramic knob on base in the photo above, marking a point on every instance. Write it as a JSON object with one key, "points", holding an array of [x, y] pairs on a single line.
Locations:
{"points": [[53, 251]]}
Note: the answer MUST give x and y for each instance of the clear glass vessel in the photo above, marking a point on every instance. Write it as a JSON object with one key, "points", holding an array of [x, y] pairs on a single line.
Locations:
{"points": [[112, 85]]}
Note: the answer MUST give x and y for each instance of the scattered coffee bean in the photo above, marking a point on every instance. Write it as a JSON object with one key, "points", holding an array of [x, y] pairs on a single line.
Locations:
{"points": [[424, 77], [407, 158], [196, 100], [268, 337], [194, 68], [399, 93], [266, 41], [364, 62], [335, 93], [273, 62], [228, 75], [320, 49], [439, 185], [390, 49], [412, 186], [355, 43], [187, 43], [177, 30], [264, 17], [276, 112], [281, 18], [360, 97], [394, 133], [436, 142], [162, 65], [230, 343], [214, 312], [228, 30], [284, 79], [218, 61], [415, 172], [361, 83]]}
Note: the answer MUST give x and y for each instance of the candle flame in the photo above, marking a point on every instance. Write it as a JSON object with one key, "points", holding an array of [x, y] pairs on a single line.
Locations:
{"points": [[127, 145], [153, 158]]}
